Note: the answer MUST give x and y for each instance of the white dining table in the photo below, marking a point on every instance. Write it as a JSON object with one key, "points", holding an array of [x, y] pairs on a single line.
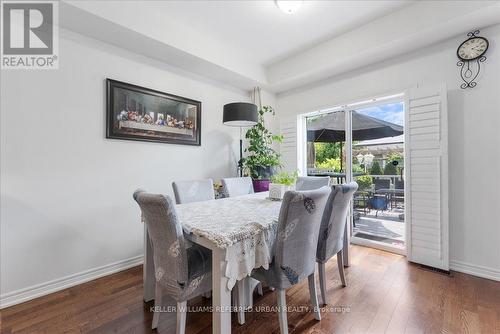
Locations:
{"points": [[240, 232]]}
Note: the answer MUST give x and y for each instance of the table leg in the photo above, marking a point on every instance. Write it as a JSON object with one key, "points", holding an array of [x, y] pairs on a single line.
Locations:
{"points": [[221, 295], [148, 268]]}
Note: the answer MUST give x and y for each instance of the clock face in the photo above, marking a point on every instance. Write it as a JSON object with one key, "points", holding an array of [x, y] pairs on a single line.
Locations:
{"points": [[472, 48]]}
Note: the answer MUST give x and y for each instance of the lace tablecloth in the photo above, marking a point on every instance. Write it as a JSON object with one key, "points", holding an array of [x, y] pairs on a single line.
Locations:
{"points": [[247, 223]]}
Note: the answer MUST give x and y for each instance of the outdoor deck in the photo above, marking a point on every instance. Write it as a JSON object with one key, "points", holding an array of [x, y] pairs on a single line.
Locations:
{"points": [[387, 226]]}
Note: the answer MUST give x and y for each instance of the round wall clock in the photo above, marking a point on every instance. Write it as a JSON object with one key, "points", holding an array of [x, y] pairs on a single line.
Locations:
{"points": [[472, 48], [471, 54]]}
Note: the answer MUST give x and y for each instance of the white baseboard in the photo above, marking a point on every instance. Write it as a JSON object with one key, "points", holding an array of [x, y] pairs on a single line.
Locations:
{"points": [[35, 291], [475, 270]]}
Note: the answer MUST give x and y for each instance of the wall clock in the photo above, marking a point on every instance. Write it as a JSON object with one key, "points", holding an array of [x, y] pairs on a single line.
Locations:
{"points": [[471, 54]]}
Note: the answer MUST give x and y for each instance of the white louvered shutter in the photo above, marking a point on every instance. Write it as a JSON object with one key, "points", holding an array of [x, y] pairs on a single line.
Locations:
{"points": [[289, 147], [426, 164]]}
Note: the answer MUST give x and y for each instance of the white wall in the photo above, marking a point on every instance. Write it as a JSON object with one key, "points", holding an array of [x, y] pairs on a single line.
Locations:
{"points": [[474, 137], [66, 191]]}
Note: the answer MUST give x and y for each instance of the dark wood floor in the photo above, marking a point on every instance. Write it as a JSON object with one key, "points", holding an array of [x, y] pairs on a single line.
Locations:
{"points": [[385, 295]]}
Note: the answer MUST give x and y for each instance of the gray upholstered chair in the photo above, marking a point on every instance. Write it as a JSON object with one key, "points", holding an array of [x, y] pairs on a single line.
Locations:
{"points": [[181, 272], [311, 182], [331, 235], [193, 191], [237, 186], [296, 242]]}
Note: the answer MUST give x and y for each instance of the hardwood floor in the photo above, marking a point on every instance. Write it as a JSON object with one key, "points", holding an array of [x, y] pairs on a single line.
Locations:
{"points": [[385, 294]]}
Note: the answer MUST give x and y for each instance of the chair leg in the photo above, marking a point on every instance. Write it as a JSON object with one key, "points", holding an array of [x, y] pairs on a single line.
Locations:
{"points": [[181, 318], [156, 314], [314, 296], [340, 264], [322, 282], [282, 311]]}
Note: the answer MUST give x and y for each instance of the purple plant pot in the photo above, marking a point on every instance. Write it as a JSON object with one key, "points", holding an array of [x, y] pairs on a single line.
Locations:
{"points": [[260, 185]]}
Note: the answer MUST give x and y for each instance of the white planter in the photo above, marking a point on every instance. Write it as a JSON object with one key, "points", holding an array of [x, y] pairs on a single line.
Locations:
{"points": [[277, 191]]}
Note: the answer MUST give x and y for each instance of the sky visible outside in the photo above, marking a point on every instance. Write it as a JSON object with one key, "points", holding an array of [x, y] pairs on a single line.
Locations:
{"points": [[392, 112]]}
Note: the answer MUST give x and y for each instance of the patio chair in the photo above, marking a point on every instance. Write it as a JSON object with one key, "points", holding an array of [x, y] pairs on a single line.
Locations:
{"points": [[399, 198], [296, 242], [381, 184], [331, 235], [362, 200]]}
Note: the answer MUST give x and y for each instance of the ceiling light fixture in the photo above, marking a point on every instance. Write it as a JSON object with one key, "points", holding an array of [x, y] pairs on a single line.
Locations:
{"points": [[289, 7]]}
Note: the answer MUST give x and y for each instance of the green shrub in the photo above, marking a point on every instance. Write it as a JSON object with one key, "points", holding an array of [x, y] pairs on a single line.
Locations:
{"points": [[390, 169], [376, 169], [330, 163], [357, 168], [286, 178], [324, 151], [364, 182]]}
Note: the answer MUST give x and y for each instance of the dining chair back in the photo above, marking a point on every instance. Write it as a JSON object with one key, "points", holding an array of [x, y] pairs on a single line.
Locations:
{"points": [[182, 273], [382, 184], [193, 191], [311, 182], [296, 240], [332, 230], [237, 186], [297, 235]]}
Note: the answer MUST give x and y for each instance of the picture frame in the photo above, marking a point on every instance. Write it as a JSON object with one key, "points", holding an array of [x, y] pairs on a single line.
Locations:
{"points": [[143, 114]]}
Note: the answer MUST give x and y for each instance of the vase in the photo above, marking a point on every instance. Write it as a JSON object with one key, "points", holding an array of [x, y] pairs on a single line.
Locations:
{"points": [[260, 185]]}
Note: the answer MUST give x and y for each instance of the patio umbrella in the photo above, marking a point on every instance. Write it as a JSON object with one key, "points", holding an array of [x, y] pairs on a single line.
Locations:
{"points": [[330, 128]]}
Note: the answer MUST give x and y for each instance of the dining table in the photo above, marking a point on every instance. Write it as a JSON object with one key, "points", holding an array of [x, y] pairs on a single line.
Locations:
{"points": [[240, 232]]}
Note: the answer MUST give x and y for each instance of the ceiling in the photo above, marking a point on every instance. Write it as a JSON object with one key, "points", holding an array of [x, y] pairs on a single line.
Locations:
{"points": [[252, 43], [260, 29]]}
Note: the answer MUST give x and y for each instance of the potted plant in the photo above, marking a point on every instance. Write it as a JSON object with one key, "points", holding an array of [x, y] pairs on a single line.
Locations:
{"points": [[262, 159], [281, 183]]}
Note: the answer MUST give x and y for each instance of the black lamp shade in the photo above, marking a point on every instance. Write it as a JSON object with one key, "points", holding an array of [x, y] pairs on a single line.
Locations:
{"points": [[240, 114]]}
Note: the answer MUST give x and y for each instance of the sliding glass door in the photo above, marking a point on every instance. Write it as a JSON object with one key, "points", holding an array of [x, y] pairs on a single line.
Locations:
{"points": [[364, 143], [377, 156]]}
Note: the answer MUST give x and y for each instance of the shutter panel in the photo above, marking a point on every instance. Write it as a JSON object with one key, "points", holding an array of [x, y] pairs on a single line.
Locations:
{"points": [[426, 165], [289, 147]]}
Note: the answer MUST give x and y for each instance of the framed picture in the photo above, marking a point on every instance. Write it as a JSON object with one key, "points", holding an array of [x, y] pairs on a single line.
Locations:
{"points": [[138, 113]]}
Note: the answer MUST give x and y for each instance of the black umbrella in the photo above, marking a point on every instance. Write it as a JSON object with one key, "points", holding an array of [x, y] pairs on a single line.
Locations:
{"points": [[329, 128]]}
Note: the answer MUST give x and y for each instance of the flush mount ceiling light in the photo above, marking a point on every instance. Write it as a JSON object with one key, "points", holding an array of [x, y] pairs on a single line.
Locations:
{"points": [[289, 7]]}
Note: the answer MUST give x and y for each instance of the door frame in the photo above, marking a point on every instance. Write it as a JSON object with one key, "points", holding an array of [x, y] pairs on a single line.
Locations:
{"points": [[348, 108]]}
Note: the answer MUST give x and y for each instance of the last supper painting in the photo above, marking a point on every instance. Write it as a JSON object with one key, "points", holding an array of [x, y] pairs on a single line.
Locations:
{"points": [[138, 113]]}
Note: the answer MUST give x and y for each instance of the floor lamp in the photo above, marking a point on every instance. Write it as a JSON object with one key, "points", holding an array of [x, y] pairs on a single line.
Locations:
{"points": [[240, 114]]}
